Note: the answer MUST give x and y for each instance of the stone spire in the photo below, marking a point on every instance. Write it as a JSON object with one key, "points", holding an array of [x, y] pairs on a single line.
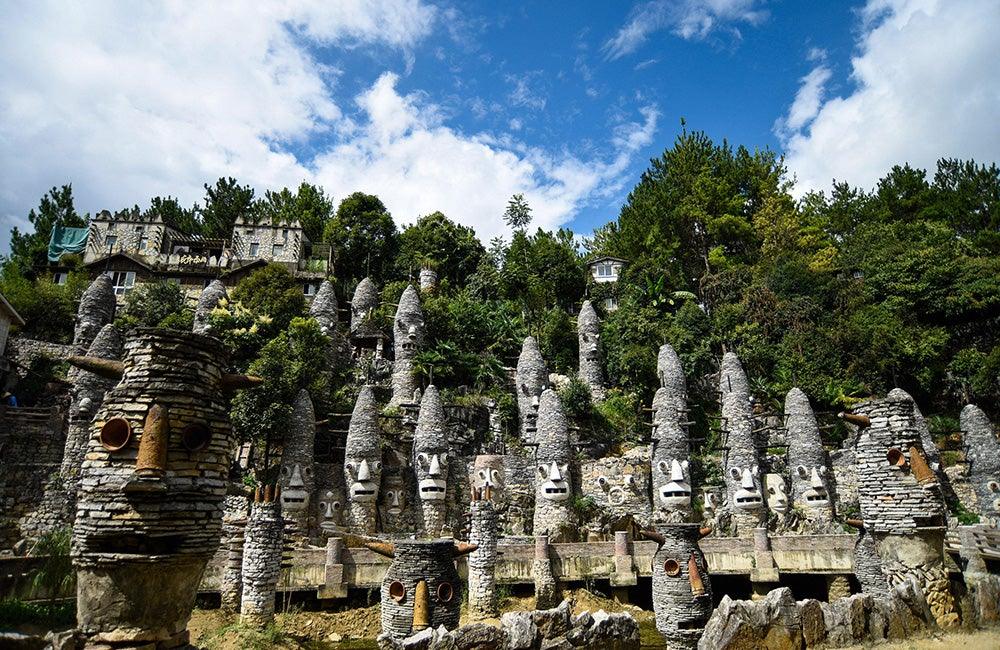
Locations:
{"points": [[324, 308], [983, 454], [588, 328], [363, 463], [408, 338], [365, 302], [553, 483], [671, 373], [671, 447], [97, 309], [742, 461], [209, 300], [430, 463], [532, 377], [296, 480], [428, 279], [807, 459], [930, 448]]}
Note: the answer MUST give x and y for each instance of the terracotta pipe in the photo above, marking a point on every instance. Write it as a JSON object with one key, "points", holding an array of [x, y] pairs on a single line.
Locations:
{"points": [[855, 523], [257, 495], [237, 382], [152, 458], [694, 575], [268, 493], [704, 531], [862, 421], [107, 368], [464, 548], [421, 607], [921, 470], [385, 549], [652, 535]]}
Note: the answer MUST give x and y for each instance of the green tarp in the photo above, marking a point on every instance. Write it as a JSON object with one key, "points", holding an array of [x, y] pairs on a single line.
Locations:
{"points": [[66, 240]]}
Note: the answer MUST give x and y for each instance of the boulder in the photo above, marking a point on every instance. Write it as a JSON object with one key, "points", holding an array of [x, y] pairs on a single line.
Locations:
{"points": [[420, 641], [479, 636], [614, 631], [552, 623], [986, 596], [730, 627], [520, 630], [783, 622], [813, 627]]}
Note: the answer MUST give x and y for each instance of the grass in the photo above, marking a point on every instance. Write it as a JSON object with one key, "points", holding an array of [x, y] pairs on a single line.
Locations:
{"points": [[250, 638], [14, 612]]}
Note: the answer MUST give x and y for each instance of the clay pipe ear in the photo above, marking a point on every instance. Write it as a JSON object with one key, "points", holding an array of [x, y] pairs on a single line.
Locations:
{"points": [[464, 548], [237, 382], [107, 368], [857, 420], [385, 549], [704, 531], [855, 523], [652, 536]]}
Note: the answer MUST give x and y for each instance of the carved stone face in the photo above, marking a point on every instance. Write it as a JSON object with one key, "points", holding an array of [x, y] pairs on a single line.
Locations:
{"points": [[395, 498], [408, 326], [555, 481], [421, 588], [817, 495], [487, 472], [432, 475], [363, 477], [777, 493], [590, 345], [294, 493], [676, 491], [749, 496], [331, 509]]}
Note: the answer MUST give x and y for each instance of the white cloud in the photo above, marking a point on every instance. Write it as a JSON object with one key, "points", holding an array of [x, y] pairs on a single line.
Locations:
{"points": [[416, 165], [523, 94], [926, 86], [806, 104], [689, 19], [133, 100]]}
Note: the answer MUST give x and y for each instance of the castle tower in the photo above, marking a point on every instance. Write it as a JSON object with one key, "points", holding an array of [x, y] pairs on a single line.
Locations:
{"points": [[588, 328], [742, 466]]}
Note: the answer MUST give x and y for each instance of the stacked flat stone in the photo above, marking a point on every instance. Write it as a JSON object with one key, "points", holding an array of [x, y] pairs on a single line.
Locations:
{"points": [[363, 446], [532, 377], [670, 439], [546, 589], [742, 457], [408, 338], [297, 481], [97, 309], [363, 305], [618, 487], [262, 550], [324, 310], [483, 531], [415, 561], [807, 459], [682, 590], [553, 511], [868, 566], [901, 502], [588, 329], [428, 279], [430, 463], [209, 299], [931, 451], [983, 453], [149, 507], [234, 521]]}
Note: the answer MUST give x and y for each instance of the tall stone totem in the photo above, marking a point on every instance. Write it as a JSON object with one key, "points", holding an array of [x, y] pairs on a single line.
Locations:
{"points": [[742, 468], [983, 454], [531, 379], [553, 484], [807, 460], [152, 485], [363, 464], [671, 446], [588, 327], [296, 480], [430, 462], [408, 337]]}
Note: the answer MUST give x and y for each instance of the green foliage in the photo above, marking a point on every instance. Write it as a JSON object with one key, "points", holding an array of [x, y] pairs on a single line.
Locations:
{"points": [[452, 249], [364, 238], [36, 382], [618, 419], [225, 202], [542, 271], [156, 304], [173, 215], [518, 213], [15, 612], [575, 398], [56, 575], [29, 251], [964, 517], [48, 309], [558, 341], [309, 206], [271, 292]]}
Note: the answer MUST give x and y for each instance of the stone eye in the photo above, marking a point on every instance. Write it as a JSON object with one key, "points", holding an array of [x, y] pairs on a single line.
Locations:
{"points": [[336, 505], [735, 472], [671, 567], [378, 464], [350, 467], [482, 474], [993, 486], [285, 471], [543, 470], [115, 434], [196, 437], [895, 457], [801, 471], [397, 591], [496, 475], [445, 592]]}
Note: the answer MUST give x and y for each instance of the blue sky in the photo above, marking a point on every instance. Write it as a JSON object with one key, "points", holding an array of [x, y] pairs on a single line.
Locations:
{"points": [[455, 106]]}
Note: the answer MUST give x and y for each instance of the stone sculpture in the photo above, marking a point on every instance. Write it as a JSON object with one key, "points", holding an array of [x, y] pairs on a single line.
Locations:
{"points": [[430, 463], [742, 467], [408, 337], [207, 301], [531, 380], [983, 454], [296, 478], [262, 551], [483, 532], [363, 305], [588, 327], [428, 279], [671, 447], [553, 484], [421, 588], [152, 485], [97, 309], [363, 463], [807, 460], [324, 309], [682, 591]]}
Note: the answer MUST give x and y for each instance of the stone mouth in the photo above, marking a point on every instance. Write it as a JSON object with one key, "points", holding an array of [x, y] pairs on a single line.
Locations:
{"points": [[363, 491], [433, 489], [747, 500], [134, 545]]}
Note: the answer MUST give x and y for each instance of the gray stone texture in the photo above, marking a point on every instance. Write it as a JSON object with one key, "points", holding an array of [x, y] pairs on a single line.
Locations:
{"points": [[553, 483], [207, 301], [670, 442], [363, 305], [262, 550], [982, 450], [431, 561], [483, 532], [811, 494], [363, 464], [681, 613], [408, 339], [428, 279], [430, 463], [532, 377], [234, 521], [744, 480], [619, 487], [588, 327], [97, 309], [296, 477]]}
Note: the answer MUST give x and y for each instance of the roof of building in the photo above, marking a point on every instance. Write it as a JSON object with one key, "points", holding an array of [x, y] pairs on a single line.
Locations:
{"points": [[606, 258], [14, 316], [132, 258]]}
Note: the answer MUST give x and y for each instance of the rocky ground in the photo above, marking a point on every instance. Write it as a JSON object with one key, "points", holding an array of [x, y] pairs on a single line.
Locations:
{"points": [[980, 640]]}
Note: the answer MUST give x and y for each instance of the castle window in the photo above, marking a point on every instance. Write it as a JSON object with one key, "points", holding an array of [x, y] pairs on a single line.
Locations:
{"points": [[122, 281], [60, 277], [254, 249], [277, 250]]}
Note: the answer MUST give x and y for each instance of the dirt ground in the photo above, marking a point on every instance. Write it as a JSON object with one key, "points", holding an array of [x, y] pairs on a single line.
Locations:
{"points": [[979, 640]]}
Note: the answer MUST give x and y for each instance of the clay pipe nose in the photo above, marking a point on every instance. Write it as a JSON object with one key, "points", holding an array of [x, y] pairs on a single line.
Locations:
{"points": [[151, 461], [421, 607]]}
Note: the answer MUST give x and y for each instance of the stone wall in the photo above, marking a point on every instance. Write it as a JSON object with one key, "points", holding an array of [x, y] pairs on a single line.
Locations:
{"points": [[482, 562], [619, 488], [261, 566]]}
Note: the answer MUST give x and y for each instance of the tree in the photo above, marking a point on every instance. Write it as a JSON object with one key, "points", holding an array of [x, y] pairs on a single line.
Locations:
{"points": [[156, 304], [169, 210], [271, 292], [29, 251], [518, 213], [364, 238], [309, 206], [224, 204], [452, 248]]}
